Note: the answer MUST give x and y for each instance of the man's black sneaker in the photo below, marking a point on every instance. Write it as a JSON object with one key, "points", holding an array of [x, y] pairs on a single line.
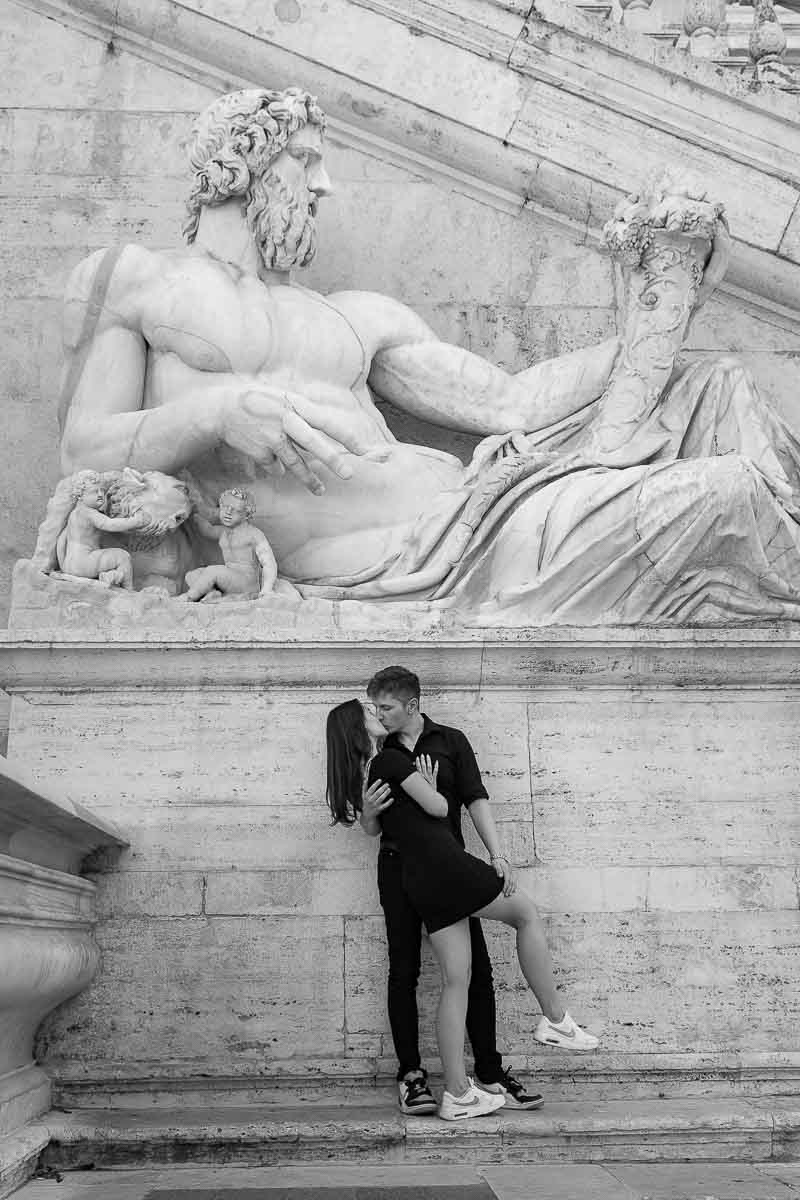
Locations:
{"points": [[415, 1096], [515, 1092]]}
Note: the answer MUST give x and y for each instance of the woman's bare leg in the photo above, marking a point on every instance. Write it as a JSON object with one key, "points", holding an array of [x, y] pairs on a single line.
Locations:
{"points": [[453, 951], [521, 913]]}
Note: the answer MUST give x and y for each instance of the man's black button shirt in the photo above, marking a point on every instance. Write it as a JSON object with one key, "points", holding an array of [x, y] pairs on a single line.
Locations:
{"points": [[459, 779]]}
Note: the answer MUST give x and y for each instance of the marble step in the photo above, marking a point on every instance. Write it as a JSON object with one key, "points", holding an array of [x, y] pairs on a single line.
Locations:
{"points": [[19, 1154], [745, 1130]]}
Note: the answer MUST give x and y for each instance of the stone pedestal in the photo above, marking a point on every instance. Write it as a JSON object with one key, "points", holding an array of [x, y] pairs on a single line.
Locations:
{"points": [[47, 952], [643, 780]]}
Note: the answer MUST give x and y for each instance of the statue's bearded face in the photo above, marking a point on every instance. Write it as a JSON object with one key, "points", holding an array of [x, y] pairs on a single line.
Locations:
{"points": [[283, 202]]}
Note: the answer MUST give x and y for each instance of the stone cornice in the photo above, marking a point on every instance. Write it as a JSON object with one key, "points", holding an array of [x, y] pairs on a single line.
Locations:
{"points": [[34, 895], [488, 149], [527, 661]]}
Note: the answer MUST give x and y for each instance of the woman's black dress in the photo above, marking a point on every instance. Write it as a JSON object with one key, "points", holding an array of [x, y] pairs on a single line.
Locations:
{"points": [[442, 880]]}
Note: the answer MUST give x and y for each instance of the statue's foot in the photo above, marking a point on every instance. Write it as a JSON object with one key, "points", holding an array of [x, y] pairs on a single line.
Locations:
{"points": [[114, 578]]}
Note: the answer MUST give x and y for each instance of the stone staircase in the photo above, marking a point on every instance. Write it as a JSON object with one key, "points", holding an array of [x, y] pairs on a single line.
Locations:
{"points": [[753, 1129]]}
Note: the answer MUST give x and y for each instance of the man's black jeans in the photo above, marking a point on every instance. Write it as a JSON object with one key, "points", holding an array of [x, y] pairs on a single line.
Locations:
{"points": [[404, 938]]}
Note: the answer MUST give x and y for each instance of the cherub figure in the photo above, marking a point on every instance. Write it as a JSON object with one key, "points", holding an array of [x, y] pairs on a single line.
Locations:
{"points": [[148, 506], [79, 549], [249, 567]]}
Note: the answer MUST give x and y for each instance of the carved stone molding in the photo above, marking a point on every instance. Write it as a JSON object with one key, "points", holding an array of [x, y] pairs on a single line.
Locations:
{"points": [[531, 659]]}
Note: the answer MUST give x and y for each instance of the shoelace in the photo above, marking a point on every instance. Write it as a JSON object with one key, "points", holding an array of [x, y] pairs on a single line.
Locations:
{"points": [[512, 1084]]}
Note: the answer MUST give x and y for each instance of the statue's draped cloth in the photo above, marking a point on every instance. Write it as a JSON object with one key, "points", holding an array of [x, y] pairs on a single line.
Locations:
{"points": [[700, 524]]}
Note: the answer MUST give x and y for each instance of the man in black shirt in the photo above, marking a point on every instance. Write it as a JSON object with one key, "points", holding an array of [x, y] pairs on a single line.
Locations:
{"points": [[395, 693]]}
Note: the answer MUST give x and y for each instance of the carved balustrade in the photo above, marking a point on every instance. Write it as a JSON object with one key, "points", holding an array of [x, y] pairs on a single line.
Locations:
{"points": [[753, 37]]}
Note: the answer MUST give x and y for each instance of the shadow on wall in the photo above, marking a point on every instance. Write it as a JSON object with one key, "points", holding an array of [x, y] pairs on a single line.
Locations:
{"points": [[5, 706]]}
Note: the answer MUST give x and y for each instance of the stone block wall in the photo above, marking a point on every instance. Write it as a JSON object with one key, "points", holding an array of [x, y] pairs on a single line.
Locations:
{"points": [[241, 936]]}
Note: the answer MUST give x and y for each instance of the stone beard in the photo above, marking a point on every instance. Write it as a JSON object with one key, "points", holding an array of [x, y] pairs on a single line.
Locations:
{"points": [[282, 223]]}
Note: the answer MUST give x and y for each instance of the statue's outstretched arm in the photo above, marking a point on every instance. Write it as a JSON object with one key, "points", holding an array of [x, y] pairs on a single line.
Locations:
{"points": [[207, 528], [450, 386], [455, 388]]}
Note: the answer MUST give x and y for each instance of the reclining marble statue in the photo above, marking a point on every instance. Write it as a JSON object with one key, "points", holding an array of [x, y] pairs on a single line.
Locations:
{"points": [[610, 487]]}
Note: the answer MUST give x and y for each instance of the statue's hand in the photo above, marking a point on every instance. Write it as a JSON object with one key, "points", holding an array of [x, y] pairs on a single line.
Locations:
{"points": [[275, 426], [506, 445]]}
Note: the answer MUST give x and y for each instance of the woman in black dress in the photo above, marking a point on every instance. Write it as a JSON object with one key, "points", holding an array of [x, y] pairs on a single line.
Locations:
{"points": [[446, 885]]}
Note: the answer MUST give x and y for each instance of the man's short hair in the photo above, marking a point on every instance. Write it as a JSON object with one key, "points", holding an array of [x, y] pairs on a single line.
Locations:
{"points": [[394, 681]]}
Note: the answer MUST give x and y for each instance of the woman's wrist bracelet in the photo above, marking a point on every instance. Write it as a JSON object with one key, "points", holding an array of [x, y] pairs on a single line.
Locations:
{"points": [[499, 858]]}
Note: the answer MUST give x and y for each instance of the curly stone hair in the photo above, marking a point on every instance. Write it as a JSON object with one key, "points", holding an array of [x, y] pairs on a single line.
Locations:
{"points": [[236, 138], [245, 497], [81, 480]]}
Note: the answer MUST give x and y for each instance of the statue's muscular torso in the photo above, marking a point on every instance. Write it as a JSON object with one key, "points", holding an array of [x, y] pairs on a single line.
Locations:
{"points": [[200, 317]]}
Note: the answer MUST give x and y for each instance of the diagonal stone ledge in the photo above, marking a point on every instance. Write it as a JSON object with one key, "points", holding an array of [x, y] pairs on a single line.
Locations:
{"points": [[38, 829]]}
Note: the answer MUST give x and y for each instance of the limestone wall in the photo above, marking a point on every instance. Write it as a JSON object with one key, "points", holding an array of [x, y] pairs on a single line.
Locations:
{"points": [[241, 935], [92, 154], [646, 786]]}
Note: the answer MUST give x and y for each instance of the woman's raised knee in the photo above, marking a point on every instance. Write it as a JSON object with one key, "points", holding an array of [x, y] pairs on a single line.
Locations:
{"points": [[528, 912]]}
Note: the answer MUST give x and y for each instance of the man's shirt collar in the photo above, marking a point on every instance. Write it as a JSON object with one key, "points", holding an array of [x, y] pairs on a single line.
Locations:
{"points": [[428, 726]]}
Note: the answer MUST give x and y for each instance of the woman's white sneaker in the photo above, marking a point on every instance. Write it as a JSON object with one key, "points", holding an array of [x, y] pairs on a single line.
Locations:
{"points": [[474, 1103], [565, 1033]]}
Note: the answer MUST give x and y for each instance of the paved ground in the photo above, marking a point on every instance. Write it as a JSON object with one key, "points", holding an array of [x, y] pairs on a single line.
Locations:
{"points": [[333, 1181]]}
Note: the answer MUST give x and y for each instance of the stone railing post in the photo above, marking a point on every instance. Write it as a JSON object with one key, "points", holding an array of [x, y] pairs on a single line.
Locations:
{"points": [[767, 47], [47, 951], [704, 24], [636, 15]]}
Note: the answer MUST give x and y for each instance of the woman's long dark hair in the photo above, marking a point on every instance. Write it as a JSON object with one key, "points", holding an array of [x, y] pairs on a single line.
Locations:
{"points": [[349, 747]]}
